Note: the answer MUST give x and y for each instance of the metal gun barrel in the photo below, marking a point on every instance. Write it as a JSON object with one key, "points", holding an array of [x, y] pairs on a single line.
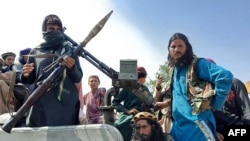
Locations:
{"points": [[40, 90]]}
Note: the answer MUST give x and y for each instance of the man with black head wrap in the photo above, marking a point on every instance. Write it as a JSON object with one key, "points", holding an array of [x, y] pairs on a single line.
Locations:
{"points": [[60, 105]]}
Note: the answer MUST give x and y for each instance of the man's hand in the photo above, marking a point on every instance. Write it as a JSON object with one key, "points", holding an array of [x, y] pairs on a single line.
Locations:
{"points": [[69, 63], [27, 69], [163, 104], [160, 79], [132, 111], [220, 136]]}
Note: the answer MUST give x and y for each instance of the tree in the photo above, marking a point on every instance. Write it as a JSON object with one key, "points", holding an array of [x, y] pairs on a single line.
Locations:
{"points": [[162, 71]]}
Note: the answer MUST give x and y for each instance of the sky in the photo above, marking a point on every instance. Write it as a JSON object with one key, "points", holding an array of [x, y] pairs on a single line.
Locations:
{"points": [[137, 29]]}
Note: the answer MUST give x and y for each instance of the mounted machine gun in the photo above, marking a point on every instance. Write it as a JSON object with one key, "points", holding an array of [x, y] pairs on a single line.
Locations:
{"points": [[51, 80], [127, 78]]}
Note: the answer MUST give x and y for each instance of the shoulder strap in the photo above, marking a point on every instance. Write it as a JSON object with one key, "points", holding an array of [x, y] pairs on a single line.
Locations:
{"points": [[199, 91], [192, 77], [168, 88], [191, 72], [171, 73]]}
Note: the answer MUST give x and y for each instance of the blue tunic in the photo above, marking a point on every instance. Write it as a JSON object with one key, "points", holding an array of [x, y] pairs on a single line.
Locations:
{"points": [[184, 123]]}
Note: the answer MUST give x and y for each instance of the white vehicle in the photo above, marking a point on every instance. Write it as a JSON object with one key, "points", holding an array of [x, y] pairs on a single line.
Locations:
{"points": [[91, 132]]}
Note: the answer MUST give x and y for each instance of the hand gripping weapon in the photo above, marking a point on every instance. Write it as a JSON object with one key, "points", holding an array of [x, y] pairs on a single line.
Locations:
{"points": [[46, 84]]}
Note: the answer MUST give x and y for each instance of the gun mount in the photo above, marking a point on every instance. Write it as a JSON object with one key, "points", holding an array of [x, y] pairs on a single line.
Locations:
{"points": [[126, 78], [51, 80]]}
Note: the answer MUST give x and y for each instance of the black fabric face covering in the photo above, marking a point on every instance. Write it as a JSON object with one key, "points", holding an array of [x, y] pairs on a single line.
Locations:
{"points": [[52, 40]]}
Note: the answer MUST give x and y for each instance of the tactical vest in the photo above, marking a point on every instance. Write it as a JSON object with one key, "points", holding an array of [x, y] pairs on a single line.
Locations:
{"points": [[199, 92]]}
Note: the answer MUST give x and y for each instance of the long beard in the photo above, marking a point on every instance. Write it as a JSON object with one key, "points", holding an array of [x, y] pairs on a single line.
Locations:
{"points": [[145, 138], [178, 62]]}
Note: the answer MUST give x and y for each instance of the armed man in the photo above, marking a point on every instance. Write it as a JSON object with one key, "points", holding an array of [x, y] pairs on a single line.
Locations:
{"points": [[131, 105], [60, 104]]}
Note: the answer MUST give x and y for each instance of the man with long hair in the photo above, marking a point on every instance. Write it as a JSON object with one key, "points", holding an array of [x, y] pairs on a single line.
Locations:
{"points": [[190, 124]]}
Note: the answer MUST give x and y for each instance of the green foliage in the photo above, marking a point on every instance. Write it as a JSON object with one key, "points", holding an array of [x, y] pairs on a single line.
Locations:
{"points": [[162, 71]]}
